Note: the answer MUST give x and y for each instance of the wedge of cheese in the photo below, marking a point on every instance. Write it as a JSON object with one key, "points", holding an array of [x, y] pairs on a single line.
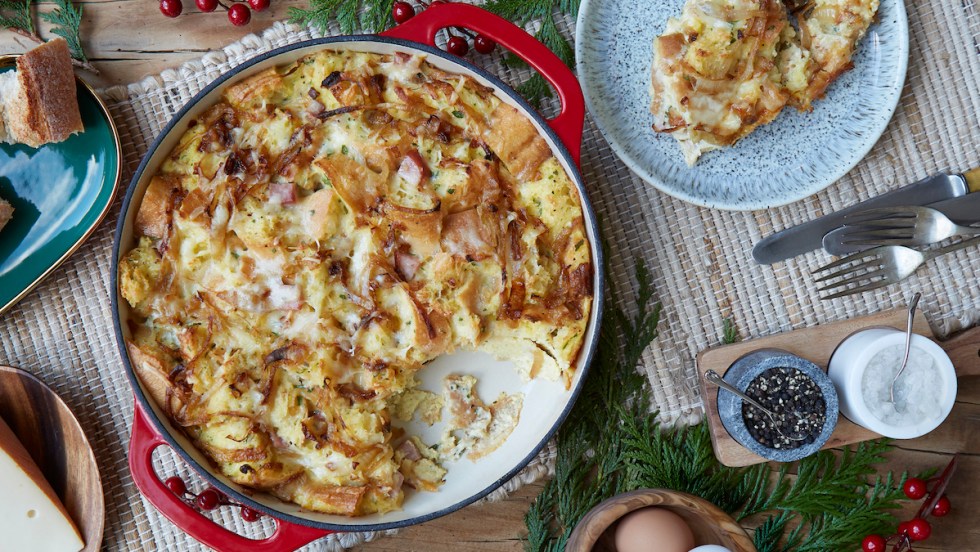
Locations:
{"points": [[31, 516]]}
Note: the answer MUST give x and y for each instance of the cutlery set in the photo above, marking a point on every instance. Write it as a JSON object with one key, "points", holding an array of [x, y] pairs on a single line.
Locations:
{"points": [[876, 239]]}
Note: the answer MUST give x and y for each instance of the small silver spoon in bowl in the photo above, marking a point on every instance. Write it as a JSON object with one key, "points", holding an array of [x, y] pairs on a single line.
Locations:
{"points": [[908, 343], [779, 421]]}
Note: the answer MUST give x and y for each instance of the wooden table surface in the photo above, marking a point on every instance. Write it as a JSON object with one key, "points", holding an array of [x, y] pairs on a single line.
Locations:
{"points": [[127, 40], [130, 39]]}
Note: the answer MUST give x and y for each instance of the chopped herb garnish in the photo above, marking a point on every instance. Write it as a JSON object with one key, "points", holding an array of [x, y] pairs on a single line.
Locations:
{"points": [[458, 114], [344, 150], [451, 191]]}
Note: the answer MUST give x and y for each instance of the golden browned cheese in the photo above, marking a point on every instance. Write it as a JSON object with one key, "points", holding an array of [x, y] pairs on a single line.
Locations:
{"points": [[724, 67], [319, 235]]}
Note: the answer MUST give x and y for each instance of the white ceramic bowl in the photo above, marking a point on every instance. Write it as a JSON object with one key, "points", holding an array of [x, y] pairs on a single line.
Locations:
{"points": [[848, 365]]}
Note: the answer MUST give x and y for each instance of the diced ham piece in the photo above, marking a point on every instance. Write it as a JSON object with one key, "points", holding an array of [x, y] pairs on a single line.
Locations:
{"points": [[413, 169], [410, 451], [315, 108], [406, 265], [283, 192], [466, 235]]}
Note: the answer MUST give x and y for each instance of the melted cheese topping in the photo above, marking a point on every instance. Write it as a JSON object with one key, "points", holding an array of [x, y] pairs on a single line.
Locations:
{"points": [[724, 67], [318, 236]]}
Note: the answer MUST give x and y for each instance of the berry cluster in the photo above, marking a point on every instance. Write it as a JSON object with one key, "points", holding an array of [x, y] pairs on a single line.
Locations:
{"points": [[208, 499], [934, 503], [238, 10], [459, 38]]}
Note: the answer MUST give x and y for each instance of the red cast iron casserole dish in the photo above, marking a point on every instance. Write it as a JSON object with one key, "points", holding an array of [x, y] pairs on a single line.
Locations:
{"points": [[546, 403]]}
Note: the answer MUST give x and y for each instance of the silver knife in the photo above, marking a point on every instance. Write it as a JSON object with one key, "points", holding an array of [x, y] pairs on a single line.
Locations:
{"points": [[961, 210], [808, 236]]}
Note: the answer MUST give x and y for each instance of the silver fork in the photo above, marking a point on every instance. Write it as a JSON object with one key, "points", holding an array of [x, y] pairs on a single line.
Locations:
{"points": [[879, 267], [912, 225]]}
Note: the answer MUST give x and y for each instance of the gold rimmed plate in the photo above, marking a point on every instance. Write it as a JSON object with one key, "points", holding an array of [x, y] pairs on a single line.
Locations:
{"points": [[60, 194], [49, 431]]}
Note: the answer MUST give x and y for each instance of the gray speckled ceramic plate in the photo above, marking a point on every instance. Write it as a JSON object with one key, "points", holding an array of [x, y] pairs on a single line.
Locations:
{"points": [[795, 156]]}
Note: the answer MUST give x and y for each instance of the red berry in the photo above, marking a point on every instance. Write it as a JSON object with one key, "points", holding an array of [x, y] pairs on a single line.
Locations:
{"points": [[903, 528], [915, 488], [176, 485], [873, 543], [239, 15], [458, 46], [402, 12], [208, 499], [206, 5], [919, 529], [258, 5], [942, 507], [171, 8], [249, 514], [483, 44]]}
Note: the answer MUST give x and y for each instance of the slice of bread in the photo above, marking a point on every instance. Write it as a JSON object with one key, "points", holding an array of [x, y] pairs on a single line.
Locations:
{"points": [[38, 100], [6, 213]]}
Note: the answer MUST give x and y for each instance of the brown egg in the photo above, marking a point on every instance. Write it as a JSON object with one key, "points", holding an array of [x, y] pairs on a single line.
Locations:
{"points": [[653, 530]]}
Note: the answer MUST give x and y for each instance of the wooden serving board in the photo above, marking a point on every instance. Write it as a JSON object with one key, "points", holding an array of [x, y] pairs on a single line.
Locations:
{"points": [[52, 436], [817, 344]]}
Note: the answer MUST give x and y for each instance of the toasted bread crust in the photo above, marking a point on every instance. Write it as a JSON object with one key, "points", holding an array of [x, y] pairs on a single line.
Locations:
{"points": [[45, 107]]}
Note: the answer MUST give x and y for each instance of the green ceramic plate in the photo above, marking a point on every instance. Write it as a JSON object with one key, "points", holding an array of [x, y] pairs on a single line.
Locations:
{"points": [[60, 193]]}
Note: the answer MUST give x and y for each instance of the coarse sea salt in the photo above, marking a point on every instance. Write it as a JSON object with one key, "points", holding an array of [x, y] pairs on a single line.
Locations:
{"points": [[918, 391]]}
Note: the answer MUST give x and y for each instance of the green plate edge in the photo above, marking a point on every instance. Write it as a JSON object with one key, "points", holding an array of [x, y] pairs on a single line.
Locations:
{"points": [[25, 275]]}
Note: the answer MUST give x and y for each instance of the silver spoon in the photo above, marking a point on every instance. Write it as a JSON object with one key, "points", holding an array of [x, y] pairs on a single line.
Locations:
{"points": [[908, 343], [715, 378]]}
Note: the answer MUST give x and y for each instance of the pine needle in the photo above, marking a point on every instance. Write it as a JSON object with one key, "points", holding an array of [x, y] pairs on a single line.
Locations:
{"points": [[525, 12], [16, 16], [729, 332], [67, 22], [347, 13], [377, 17]]}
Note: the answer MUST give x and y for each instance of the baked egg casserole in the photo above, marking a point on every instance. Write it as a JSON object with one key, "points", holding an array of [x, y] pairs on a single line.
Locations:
{"points": [[319, 235], [724, 67]]}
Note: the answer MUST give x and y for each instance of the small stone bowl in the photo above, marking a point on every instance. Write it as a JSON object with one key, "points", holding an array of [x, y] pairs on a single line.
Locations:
{"points": [[751, 366]]}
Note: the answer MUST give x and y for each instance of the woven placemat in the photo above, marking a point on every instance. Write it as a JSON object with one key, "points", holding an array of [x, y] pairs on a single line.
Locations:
{"points": [[700, 259]]}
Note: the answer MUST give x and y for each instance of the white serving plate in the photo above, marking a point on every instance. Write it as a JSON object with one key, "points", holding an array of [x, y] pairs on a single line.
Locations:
{"points": [[797, 155]]}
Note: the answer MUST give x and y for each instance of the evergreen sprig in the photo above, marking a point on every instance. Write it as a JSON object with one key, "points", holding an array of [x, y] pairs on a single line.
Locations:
{"points": [[16, 16], [65, 18], [66, 21], [543, 12], [611, 443], [351, 15]]}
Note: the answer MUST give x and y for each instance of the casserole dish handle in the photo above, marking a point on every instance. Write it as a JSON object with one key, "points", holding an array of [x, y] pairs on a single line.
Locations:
{"points": [[144, 441], [569, 122]]}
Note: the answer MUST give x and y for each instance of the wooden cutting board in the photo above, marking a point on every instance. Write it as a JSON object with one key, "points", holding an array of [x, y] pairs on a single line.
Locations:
{"points": [[51, 434], [817, 344]]}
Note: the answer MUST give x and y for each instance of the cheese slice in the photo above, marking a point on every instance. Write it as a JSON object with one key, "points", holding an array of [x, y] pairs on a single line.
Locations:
{"points": [[31, 516]]}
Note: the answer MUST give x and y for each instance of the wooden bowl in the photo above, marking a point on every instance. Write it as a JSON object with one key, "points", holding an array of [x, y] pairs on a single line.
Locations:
{"points": [[709, 523], [52, 436]]}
